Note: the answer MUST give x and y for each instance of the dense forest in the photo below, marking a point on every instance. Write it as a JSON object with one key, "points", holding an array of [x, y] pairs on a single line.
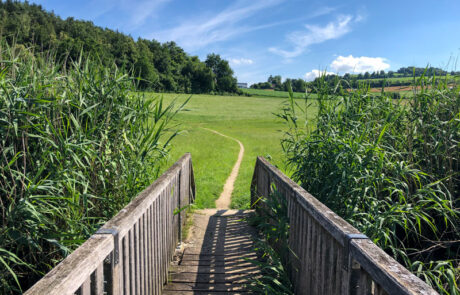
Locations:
{"points": [[401, 77], [161, 67]]}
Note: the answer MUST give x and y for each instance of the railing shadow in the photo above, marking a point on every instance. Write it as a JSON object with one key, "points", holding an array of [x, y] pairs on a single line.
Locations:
{"points": [[223, 264]]}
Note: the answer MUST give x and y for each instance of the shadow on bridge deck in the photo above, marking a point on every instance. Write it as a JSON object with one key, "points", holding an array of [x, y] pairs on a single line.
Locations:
{"points": [[215, 258]]}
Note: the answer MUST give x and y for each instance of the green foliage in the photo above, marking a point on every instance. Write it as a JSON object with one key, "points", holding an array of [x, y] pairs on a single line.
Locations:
{"points": [[225, 82], [76, 144], [272, 221], [274, 82], [160, 67], [390, 168]]}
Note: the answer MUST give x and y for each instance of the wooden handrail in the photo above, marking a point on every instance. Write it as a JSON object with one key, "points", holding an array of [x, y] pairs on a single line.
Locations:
{"points": [[329, 256], [131, 253]]}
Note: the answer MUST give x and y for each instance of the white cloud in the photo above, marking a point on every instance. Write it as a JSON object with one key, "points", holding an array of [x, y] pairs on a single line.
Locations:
{"points": [[310, 76], [314, 34], [241, 61], [350, 64]]}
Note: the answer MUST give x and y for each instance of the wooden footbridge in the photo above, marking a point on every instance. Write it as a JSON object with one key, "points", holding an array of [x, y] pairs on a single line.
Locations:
{"points": [[140, 250]]}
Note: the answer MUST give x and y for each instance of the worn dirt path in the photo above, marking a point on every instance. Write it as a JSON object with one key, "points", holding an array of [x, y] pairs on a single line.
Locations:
{"points": [[225, 198]]}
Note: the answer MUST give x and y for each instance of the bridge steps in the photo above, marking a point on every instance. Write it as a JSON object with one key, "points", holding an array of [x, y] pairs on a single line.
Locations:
{"points": [[214, 258]]}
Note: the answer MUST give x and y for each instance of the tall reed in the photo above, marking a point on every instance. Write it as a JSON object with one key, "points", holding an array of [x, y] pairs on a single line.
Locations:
{"points": [[390, 168], [76, 144]]}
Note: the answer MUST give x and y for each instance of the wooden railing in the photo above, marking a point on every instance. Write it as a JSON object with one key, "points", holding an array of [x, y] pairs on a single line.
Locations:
{"points": [[131, 253], [329, 256]]}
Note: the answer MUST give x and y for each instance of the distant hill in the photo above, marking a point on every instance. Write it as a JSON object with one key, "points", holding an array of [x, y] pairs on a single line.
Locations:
{"points": [[161, 66]]}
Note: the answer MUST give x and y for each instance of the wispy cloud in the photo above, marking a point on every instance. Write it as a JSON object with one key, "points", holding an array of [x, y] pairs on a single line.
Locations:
{"points": [[203, 30], [302, 40], [131, 13], [141, 10]]}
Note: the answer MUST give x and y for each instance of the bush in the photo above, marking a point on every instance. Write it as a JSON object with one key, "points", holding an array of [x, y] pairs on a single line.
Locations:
{"points": [[391, 169], [77, 143]]}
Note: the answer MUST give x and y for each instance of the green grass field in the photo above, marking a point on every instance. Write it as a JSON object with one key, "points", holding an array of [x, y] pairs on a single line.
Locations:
{"points": [[249, 119], [271, 93]]}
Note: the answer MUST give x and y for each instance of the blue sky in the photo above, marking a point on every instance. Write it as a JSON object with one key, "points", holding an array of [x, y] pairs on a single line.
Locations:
{"points": [[291, 38]]}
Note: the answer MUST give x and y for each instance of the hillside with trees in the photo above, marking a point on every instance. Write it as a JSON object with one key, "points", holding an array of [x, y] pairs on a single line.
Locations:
{"points": [[162, 67]]}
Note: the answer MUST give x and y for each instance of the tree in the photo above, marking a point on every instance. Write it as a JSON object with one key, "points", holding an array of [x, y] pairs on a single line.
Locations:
{"points": [[159, 65], [224, 80], [275, 81]]}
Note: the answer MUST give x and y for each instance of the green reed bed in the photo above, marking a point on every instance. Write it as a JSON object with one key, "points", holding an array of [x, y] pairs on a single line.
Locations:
{"points": [[391, 169], [76, 144]]}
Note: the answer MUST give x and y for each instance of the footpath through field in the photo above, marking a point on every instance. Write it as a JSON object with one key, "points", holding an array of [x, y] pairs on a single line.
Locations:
{"points": [[225, 198], [213, 260]]}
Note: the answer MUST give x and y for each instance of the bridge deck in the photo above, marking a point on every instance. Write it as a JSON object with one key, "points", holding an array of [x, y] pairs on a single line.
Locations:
{"points": [[214, 257]]}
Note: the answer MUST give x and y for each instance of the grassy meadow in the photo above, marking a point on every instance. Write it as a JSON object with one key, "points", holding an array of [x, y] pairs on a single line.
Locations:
{"points": [[248, 119], [271, 93]]}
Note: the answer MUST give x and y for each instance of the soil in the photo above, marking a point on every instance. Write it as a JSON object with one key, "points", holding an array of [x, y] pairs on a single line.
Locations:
{"points": [[224, 200]]}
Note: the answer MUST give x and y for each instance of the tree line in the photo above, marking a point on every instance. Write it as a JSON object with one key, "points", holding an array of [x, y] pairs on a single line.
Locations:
{"points": [[275, 83], [162, 67], [374, 80]]}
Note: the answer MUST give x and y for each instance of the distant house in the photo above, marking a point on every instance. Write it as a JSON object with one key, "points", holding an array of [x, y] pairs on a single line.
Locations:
{"points": [[242, 85]]}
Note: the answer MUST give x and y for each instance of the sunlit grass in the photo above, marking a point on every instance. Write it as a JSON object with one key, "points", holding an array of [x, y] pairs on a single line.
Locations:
{"points": [[251, 120]]}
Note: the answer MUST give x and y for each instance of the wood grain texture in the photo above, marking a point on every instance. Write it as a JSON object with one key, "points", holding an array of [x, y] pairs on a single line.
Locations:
{"points": [[68, 276]]}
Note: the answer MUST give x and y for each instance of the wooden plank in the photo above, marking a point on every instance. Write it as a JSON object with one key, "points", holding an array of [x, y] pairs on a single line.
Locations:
{"points": [[215, 270], [132, 262], [163, 253], [338, 267], [156, 253], [158, 284], [117, 275], [97, 287], [185, 277], [137, 265], [387, 272], [85, 289], [148, 225], [207, 293], [203, 257], [71, 273], [206, 287], [126, 265], [141, 251]]}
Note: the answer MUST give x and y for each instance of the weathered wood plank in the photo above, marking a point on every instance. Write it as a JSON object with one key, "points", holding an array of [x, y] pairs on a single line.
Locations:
{"points": [[207, 293], [85, 289], [385, 271], [70, 274], [185, 277], [97, 287], [206, 287]]}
